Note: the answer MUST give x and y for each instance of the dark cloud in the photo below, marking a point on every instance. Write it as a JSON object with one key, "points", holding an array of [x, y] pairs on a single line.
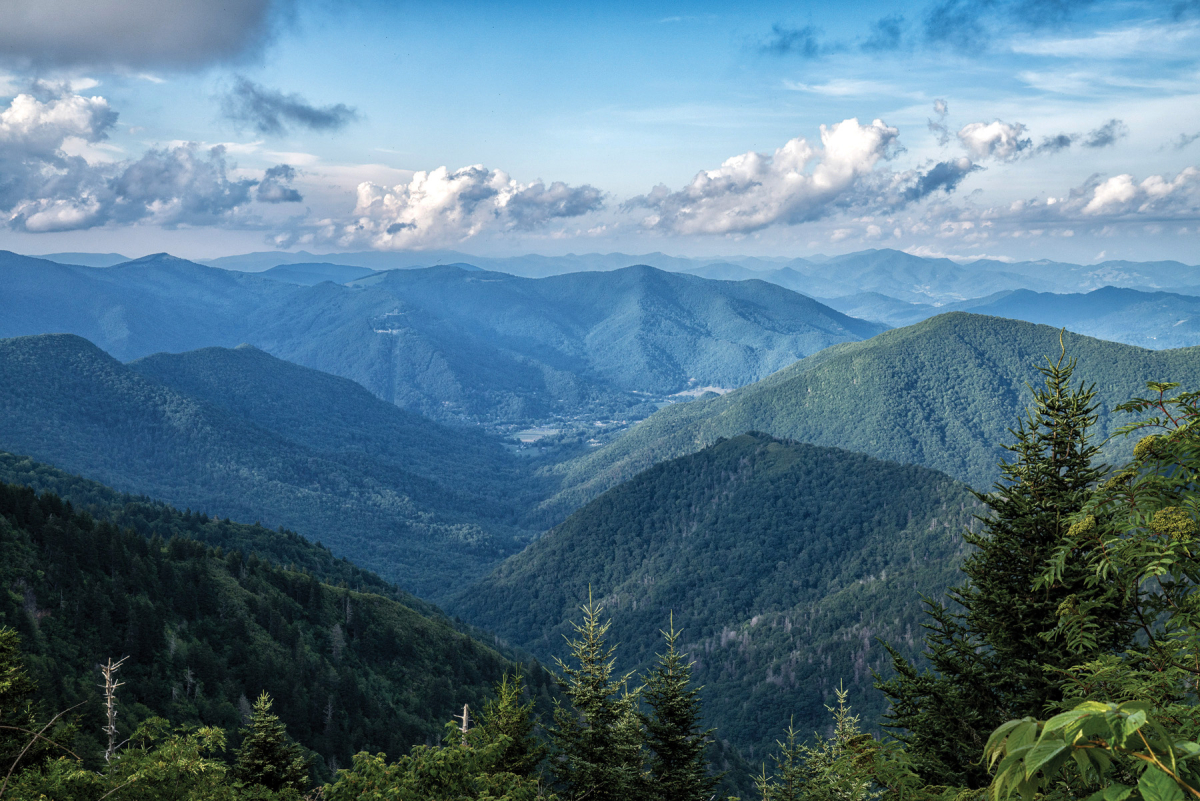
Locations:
{"points": [[273, 189], [1053, 144], [886, 34], [179, 185], [1186, 139], [956, 23], [1038, 13], [1106, 134], [537, 204], [938, 127], [136, 34], [944, 176], [784, 41], [272, 112]]}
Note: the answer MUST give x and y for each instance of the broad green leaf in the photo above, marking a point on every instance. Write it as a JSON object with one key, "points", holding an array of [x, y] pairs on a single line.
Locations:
{"points": [[1058, 721], [1042, 753], [1158, 786], [1114, 792]]}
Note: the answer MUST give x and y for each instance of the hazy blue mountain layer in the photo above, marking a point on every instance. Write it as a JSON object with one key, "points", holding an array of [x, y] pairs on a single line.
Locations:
{"points": [[941, 393], [253, 438], [449, 343], [308, 274], [1149, 319], [781, 562]]}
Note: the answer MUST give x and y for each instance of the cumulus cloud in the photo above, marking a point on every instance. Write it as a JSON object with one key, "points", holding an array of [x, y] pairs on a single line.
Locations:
{"points": [[273, 187], [442, 206], [799, 182], [44, 188], [1157, 194], [273, 113], [1107, 134], [999, 140], [135, 34]]}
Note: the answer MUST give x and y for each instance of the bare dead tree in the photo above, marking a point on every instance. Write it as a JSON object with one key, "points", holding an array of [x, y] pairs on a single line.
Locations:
{"points": [[110, 703], [465, 717]]}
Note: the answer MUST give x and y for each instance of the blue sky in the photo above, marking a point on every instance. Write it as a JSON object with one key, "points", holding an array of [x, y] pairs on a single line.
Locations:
{"points": [[1001, 128]]}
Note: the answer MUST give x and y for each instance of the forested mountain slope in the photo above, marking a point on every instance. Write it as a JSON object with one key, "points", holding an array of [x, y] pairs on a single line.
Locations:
{"points": [[450, 343], [942, 394], [782, 563], [263, 440], [206, 629]]}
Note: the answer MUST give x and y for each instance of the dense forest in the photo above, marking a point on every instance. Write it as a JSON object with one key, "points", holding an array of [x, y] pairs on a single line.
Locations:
{"points": [[422, 504], [942, 394], [783, 564], [206, 630]]}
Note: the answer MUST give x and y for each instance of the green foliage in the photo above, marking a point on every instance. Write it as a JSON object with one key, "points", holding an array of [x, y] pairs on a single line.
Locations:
{"points": [[206, 629], [678, 745], [941, 393], [994, 661], [508, 716], [446, 773], [1098, 745], [782, 562], [597, 741], [267, 756], [837, 768]]}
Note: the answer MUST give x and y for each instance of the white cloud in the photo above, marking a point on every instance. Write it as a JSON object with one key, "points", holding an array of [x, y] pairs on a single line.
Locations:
{"points": [[59, 174], [1123, 195], [1138, 41], [443, 207], [749, 192], [997, 139]]}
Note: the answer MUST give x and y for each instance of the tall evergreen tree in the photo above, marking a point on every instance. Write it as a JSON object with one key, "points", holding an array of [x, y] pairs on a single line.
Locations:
{"points": [[597, 741], [508, 716], [678, 762], [989, 647], [267, 756]]}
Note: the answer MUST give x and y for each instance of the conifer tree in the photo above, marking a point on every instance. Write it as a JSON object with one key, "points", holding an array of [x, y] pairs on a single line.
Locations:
{"points": [[507, 715], [267, 756], [597, 742], [992, 657], [678, 764]]}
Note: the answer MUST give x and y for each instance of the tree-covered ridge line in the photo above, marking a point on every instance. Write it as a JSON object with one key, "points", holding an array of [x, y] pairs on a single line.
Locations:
{"points": [[782, 563], [452, 344], [206, 629], [941, 393], [284, 445]]}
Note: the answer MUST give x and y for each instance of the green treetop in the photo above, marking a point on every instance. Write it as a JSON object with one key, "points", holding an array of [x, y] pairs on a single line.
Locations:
{"points": [[993, 661], [267, 756], [597, 743], [679, 764]]}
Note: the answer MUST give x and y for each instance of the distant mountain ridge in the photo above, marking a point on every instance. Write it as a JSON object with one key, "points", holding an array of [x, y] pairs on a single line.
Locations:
{"points": [[241, 434], [1154, 320], [524, 353], [941, 393]]}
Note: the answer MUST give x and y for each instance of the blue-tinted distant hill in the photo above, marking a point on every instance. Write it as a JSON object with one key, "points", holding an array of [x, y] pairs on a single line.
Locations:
{"points": [[942, 393], [309, 273], [244, 435], [450, 343], [86, 259], [1149, 319]]}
